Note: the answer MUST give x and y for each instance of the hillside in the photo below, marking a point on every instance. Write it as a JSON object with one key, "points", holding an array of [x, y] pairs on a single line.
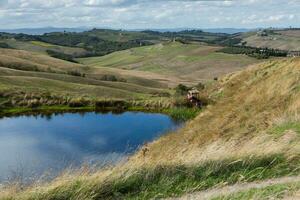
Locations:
{"points": [[27, 77], [278, 39], [99, 42], [42, 47], [28, 61], [190, 63], [250, 133], [253, 107]]}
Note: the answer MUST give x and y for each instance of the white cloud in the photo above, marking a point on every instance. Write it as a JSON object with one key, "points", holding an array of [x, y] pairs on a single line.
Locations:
{"points": [[149, 14]]}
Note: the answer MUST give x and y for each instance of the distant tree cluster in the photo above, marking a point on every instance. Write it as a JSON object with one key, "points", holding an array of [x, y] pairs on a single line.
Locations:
{"points": [[89, 40], [260, 53], [5, 46], [95, 45], [61, 55], [113, 78], [76, 73]]}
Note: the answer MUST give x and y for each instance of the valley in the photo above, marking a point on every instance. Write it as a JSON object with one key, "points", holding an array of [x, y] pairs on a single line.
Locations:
{"points": [[245, 134]]}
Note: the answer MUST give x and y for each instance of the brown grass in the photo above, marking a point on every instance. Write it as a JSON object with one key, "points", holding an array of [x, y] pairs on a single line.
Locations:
{"points": [[249, 103], [284, 40]]}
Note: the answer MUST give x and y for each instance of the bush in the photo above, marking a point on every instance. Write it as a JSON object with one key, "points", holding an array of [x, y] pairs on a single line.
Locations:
{"points": [[60, 55], [119, 104], [181, 89], [109, 78], [112, 78], [5, 46], [80, 102], [75, 73]]}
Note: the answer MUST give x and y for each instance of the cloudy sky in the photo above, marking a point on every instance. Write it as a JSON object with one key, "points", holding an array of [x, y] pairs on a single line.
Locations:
{"points": [[137, 14]]}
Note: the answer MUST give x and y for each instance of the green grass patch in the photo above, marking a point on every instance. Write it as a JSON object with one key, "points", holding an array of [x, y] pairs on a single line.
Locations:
{"points": [[280, 129], [277, 191], [170, 181], [43, 109], [182, 113], [42, 44]]}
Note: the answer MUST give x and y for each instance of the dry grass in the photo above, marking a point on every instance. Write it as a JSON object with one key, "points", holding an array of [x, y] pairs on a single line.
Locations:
{"points": [[284, 40], [251, 101]]}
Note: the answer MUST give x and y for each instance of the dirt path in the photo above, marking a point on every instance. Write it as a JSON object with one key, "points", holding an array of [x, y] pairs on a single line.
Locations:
{"points": [[208, 194]]}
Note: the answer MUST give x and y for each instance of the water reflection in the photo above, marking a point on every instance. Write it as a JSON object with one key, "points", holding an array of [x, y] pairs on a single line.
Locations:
{"points": [[35, 143]]}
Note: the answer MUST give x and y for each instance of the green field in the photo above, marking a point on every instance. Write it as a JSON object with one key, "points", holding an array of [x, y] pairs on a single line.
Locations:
{"points": [[187, 62]]}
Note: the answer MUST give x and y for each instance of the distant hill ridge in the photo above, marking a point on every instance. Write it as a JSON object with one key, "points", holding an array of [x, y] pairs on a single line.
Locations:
{"points": [[43, 30]]}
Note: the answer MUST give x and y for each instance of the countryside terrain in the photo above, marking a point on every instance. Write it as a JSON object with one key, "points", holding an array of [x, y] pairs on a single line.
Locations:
{"points": [[286, 39], [47, 70], [245, 140]]}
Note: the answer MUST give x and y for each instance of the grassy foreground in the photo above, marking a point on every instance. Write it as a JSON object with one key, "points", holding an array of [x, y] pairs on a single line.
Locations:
{"points": [[165, 181]]}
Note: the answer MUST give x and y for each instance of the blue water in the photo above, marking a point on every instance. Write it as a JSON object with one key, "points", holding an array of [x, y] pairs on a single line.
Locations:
{"points": [[31, 146]]}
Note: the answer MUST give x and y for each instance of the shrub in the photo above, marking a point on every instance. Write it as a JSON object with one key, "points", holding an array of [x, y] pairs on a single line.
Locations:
{"points": [[80, 102], [119, 104], [109, 78], [5, 46], [75, 73], [181, 89], [60, 55]]}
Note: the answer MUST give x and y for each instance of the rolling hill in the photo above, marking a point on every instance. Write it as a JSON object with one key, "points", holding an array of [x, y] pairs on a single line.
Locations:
{"points": [[42, 47], [287, 39], [98, 42], [42, 77], [186, 63]]}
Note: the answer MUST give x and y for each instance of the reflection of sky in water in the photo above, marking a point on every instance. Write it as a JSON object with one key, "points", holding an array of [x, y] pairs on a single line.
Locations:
{"points": [[32, 145]]}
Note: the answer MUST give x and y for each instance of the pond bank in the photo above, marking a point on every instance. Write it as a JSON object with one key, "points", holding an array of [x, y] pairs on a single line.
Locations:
{"points": [[177, 113]]}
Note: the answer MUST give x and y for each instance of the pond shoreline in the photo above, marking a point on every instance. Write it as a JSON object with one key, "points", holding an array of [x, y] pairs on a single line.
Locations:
{"points": [[177, 113]]}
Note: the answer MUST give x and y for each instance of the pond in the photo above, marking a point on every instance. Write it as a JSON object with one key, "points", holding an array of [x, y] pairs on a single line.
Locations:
{"points": [[35, 145]]}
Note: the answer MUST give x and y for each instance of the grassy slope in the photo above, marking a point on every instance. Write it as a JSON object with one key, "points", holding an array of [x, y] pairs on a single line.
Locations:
{"points": [[188, 62], [42, 47], [285, 40], [29, 61], [244, 137], [23, 72], [252, 104]]}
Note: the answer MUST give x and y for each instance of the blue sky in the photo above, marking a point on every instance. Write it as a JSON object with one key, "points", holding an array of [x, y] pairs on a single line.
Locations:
{"points": [[143, 14]]}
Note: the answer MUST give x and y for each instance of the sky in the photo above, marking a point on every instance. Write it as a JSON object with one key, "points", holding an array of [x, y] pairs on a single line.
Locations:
{"points": [[149, 14]]}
